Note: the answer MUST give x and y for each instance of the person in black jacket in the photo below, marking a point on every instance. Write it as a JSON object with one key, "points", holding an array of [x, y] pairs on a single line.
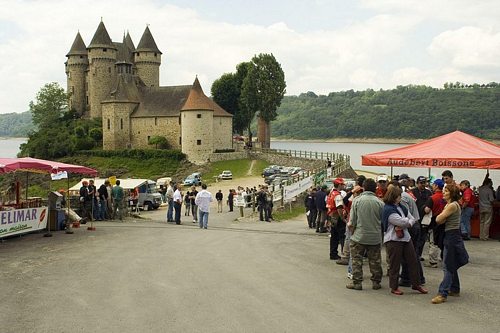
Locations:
{"points": [[219, 196], [310, 203], [230, 200], [321, 207]]}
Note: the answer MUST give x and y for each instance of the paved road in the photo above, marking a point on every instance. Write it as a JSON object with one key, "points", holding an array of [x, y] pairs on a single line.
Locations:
{"points": [[247, 276]]}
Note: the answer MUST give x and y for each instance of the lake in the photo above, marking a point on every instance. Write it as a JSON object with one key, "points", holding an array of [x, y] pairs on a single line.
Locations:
{"points": [[355, 150], [9, 147]]}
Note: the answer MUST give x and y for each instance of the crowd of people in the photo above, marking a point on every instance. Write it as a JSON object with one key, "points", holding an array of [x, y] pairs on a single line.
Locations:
{"points": [[402, 215], [103, 203]]}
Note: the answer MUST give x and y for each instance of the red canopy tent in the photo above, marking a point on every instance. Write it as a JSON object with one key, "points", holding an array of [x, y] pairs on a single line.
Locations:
{"points": [[453, 150], [38, 165]]}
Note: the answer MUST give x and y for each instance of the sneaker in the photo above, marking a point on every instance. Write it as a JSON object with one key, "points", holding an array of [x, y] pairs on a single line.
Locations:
{"points": [[349, 276], [354, 286], [376, 286], [438, 299], [454, 293]]}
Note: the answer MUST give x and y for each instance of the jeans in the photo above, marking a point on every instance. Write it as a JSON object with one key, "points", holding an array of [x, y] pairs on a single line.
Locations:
{"points": [[194, 211], [337, 233], [450, 281], [170, 217], [177, 207], [465, 220], [203, 220], [102, 210]]}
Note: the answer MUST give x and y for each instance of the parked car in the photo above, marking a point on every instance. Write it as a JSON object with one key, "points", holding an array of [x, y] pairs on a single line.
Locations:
{"points": [[270, 170], [192, 179], [226, 174]]}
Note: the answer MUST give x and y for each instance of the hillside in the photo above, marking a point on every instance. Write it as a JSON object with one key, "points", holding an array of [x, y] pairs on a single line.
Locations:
{"points": [[15, 124], [413, 112]]}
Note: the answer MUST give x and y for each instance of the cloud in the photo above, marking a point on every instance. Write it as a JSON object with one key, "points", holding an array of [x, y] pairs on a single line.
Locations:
{"points": [[468, 47]]}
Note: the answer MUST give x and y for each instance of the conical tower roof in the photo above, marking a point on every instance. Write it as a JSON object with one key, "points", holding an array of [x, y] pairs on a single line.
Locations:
{"points": [[147, 43], [127, 40], [197, 99], [78, 47], [101, 38]]}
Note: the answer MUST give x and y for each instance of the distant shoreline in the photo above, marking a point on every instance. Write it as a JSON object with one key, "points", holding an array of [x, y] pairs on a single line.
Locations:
{"points": [[353, 140], [12, 138]]}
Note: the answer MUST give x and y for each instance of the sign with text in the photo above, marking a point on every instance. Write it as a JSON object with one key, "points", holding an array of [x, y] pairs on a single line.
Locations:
{"points": [[18, 221], [293, 190]]}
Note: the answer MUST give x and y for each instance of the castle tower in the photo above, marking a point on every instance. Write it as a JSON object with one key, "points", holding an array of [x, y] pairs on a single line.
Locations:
{"points": [[102, 55], [76, 68], [125, 56], [147, 58], [197, 126], [116, 111]]}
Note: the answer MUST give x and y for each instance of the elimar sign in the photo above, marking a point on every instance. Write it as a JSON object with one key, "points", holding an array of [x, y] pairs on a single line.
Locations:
{"points": [[19, 221]]}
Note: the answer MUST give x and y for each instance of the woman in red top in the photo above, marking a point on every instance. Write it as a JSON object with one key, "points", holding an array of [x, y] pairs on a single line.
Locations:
{"points": [[467, 203]]}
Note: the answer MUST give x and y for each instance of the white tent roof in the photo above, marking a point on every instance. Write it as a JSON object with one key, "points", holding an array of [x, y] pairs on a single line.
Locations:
{"points": [[127, 184]]}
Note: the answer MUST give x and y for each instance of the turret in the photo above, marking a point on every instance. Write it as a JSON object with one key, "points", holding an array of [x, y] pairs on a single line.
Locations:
{"points": [[125, 55], [76, 67], [102, 55], [197, 116], [148, 59]]}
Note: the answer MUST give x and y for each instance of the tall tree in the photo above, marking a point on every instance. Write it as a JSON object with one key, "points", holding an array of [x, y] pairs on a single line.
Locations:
{"points": [[262, 91], [226, 92]]}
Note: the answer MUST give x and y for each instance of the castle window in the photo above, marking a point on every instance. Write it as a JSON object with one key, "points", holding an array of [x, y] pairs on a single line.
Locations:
{"points": [[109, 124], [180, 140], [198, 115], [87, 98], [149, 138], [69, 75], [180, 119], [156, 121], [155, 54], [81, 57], [109, 69], [121, 123], [104, 50], [138, 54], [198, 142]]}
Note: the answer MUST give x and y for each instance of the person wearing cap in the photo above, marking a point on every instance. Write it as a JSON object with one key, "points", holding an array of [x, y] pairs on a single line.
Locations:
{"points": [[321, 207], [365, 225], [435, 205], [336, 214], [381, 186]]}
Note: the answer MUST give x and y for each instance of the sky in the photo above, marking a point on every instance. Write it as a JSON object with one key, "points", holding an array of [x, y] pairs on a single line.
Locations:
{"points": [[322, 45]]}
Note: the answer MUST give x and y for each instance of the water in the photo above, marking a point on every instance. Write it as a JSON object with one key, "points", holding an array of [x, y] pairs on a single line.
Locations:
{"points": [[9, 147], [355, 150]]}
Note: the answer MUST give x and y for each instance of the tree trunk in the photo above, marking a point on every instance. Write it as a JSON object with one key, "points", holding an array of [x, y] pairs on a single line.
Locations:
{"points": [[264, 133]]}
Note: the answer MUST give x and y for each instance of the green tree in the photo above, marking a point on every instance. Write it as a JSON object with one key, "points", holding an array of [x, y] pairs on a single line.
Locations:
{"points": [[50, 105], [159, 142], [262, 91]]}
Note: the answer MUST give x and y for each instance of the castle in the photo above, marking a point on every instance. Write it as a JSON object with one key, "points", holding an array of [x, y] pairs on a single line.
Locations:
{"points": [[120, 84]]}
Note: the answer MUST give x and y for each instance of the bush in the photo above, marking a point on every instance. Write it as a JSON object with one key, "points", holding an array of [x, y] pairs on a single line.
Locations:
{"points": [[136, 153]]}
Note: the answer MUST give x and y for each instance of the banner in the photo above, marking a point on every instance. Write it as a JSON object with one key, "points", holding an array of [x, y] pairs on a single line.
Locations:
{"points": [[293, 190], [18, 221], [59, 175]]}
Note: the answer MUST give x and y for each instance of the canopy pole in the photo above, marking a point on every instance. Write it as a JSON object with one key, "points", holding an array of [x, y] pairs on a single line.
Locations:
{"points": [[429, 174], [27, 180], [391, 172], [49, 215]]}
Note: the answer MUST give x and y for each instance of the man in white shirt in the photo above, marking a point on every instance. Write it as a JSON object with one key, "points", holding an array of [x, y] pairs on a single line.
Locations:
{"points": [[177, 198], [170, 201], [203, 200]]}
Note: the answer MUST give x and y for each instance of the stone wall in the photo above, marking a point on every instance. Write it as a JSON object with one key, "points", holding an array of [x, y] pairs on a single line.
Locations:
{"points": [[223, 133], [215, 157], [289, 161], [101, 77], [142, 128]]}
